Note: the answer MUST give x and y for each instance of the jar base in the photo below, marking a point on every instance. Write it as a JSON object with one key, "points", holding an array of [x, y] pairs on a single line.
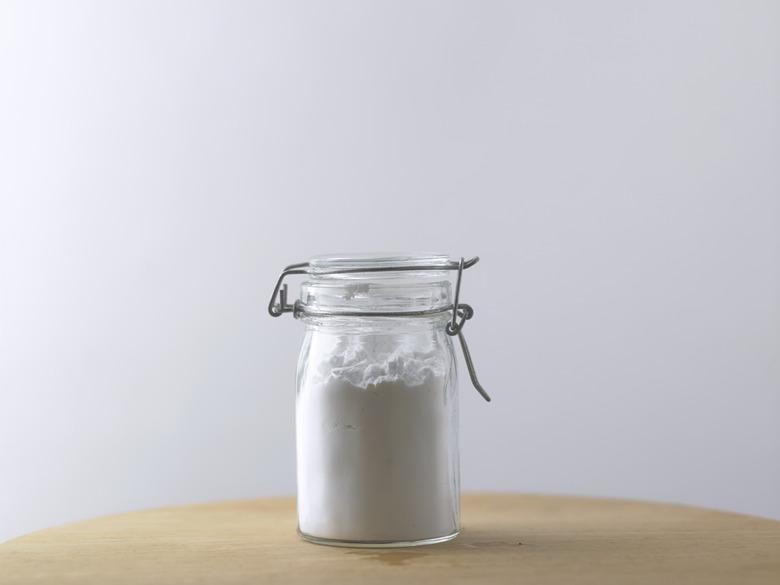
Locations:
{"points": [[376, 543]]}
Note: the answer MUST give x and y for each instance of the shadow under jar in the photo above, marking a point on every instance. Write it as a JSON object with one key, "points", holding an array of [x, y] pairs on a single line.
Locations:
{"points": [[377, 402]]}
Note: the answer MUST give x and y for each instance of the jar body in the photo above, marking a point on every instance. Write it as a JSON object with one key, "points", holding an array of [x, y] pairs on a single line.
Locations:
{"points": [[377, 432]]}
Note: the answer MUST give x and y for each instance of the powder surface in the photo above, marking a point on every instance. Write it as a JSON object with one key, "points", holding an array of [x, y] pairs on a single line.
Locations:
{"points": [[377, 445]]}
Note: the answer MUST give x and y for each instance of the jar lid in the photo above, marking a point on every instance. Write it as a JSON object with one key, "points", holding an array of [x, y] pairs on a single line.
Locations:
{"points": [[344, 283], [376, 284]]}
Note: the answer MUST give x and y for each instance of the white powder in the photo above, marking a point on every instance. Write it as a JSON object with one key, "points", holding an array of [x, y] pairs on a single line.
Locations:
{"points": [[377, 451]]}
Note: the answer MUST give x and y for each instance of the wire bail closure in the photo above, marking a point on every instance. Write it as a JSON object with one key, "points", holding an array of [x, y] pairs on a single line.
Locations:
{"points": [[461, 312]]}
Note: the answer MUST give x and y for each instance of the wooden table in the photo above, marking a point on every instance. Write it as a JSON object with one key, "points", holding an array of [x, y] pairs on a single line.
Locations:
{"points": [[505, 539]]}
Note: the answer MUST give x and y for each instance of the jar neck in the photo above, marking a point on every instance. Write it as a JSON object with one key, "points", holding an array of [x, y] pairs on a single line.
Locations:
{"points": [[377, 325]]}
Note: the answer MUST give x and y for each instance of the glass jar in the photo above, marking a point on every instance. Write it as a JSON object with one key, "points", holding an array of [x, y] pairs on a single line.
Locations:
{"points": [[377, 400]]}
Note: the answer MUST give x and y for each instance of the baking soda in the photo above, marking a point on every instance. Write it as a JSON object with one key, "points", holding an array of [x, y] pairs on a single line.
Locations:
{"points": [[377, 455]]}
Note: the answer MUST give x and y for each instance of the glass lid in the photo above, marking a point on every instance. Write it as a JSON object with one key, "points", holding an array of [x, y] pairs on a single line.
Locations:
{"points": [[354, 263], [376, 283]]}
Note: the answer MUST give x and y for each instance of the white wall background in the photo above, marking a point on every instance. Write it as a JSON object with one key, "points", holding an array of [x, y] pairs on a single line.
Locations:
{"points": [[616, 165]]}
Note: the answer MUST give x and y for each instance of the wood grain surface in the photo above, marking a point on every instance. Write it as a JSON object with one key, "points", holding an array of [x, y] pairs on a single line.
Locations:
{"points": [[505, 539]]}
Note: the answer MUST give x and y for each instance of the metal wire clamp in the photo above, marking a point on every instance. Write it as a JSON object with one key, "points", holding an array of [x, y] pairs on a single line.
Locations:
{"points": [[461, 312]]}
